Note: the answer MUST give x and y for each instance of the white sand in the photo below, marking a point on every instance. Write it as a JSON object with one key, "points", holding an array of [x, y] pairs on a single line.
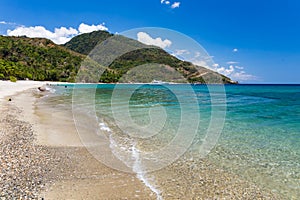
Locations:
{"points": [[48, 126], [8, 88]]}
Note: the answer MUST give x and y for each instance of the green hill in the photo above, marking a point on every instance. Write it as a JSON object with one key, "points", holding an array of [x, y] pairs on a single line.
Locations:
{"points": [[145, 55], [84, 43], [37, 59], [41, 59]]}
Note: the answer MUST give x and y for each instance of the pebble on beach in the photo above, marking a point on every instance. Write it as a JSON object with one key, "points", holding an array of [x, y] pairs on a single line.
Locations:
{"points": [[25, 167]]}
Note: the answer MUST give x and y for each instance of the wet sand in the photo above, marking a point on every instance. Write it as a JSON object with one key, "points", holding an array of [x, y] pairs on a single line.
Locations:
{"points": [[75, 174]]}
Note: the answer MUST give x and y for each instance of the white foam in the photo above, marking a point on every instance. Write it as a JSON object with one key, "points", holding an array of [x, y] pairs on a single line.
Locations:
{"points": [[104, 127], [50, 89], [134, 162], [141, 175]]}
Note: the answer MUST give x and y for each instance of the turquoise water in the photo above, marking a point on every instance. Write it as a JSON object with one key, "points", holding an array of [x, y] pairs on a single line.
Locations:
{"points": [[261, 136], [259, 127]]}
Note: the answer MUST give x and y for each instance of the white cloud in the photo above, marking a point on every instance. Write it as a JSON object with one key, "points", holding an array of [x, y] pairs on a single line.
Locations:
{"points": [[147, 39], [215, 65], [197, 54], [7, 23], [175, 5], [165, 2], [63, 31], [84, 28], [232, 70], [180, 52], [226, 71], [243, 76], [202, 60], [59, 36], [235, 73], [201, 63], [238, 67], [235, 50], [232, 62]]}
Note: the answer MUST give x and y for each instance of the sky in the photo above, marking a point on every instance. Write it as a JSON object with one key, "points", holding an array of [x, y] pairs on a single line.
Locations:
{"points": [[251, 41]]}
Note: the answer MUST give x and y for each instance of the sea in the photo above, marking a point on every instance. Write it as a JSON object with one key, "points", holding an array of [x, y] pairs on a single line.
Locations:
{"points": [[249, 130]]}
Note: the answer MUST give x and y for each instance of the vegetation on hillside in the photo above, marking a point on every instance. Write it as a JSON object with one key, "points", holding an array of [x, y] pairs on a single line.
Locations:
{"points": [[85, 43], [37, 59], [140, 54], [41, 59]]}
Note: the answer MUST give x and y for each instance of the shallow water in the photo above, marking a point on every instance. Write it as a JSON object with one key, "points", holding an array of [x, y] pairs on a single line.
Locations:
{"points": [[148, 127]]}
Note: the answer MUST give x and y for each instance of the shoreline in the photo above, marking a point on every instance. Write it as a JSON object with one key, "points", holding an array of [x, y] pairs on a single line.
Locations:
{"points": [[76, 174]]}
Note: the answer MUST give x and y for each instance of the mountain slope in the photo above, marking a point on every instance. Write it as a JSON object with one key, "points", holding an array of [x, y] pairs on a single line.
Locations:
{"points": [[84, 43], [144, 55], [37, 59], [41, 59]]}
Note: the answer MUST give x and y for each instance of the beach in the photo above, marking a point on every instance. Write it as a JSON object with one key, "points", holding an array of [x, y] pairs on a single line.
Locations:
{"points": [[35, 166], [44, 158]]}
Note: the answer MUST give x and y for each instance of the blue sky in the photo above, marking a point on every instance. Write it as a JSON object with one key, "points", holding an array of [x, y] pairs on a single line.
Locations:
{"points": [[253, 41]]}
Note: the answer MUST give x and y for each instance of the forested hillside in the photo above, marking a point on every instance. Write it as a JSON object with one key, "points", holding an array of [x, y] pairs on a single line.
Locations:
{"points": [[145, 55], [41, 59], [37, 59]]}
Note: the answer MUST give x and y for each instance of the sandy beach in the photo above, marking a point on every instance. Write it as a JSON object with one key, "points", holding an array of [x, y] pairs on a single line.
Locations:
{"points": [[44, 158], [59, 167], [8, 88]]}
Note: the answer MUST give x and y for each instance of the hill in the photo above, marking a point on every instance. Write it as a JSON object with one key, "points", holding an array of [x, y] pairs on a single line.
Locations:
{"points": [[144, 55], [41, 59], [37, 59], [85, 43]]}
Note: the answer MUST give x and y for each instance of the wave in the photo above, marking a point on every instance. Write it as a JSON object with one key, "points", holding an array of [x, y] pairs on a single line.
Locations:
{"points": [[134, 162]]}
